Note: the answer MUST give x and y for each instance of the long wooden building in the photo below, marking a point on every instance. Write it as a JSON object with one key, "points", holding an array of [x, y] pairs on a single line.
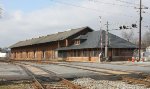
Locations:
{"points": [[81, 44]]}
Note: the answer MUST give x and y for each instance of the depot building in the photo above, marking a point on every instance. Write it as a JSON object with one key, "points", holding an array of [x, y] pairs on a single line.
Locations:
{"points": [[80, 44]]}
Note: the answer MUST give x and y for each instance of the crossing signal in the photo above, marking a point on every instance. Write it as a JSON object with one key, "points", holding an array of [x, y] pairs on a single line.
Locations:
{"points": [[124, 27], [120, 27], [134, 25]]}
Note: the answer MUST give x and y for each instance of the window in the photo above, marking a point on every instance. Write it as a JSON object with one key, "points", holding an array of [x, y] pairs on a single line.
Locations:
{"points": [[15, 55], [77, 42], [20, 54], [34, 53], [43, 54], [116, 52], [27, 54], [96, 52], [75, 53], [85, 53]]}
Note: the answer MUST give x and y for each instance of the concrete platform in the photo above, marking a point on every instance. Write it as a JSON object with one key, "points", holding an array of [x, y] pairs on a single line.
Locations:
{"points": [[66, 72], [138, 67]]}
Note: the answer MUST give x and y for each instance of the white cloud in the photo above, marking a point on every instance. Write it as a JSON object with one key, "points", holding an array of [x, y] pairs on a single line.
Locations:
{"points": [[19, 25]]}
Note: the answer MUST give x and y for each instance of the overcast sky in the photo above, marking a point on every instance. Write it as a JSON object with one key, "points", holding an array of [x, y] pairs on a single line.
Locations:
{"points": [[25, 19]]}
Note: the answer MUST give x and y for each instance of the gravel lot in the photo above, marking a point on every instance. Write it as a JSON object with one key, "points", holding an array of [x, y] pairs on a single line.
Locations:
{"points": [[105, 84]]}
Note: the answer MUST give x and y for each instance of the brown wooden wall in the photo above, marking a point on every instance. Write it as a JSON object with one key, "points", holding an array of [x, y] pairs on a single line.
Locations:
{"points": [[44, 51], [36, 52], [92, 55]]}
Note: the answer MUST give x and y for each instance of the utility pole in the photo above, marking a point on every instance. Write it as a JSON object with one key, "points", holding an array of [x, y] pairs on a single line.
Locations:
{"points": [[140, 23], [106, 42], [140, 27]]}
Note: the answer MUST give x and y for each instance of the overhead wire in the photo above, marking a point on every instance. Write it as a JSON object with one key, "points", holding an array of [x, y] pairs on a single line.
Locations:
{"points": [[114, 4], [60, 2], [127, 2], [131, 3], [135, 4]]}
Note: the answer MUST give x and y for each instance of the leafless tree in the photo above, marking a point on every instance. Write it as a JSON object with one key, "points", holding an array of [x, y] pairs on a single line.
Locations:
{"points": [[146, 39], [128, 35]]}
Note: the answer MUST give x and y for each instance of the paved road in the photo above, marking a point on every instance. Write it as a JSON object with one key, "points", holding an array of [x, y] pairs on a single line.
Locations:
{"points": [[11, 72]]}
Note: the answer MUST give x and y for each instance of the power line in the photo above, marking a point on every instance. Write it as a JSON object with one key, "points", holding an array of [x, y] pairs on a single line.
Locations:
{"points": [[131, 3], [114, 4], [96, 10], [127, 2], [60, 2]]}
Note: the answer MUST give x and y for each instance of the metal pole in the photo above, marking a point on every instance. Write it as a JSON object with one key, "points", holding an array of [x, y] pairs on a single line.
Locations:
{"points": [[101, 41], [140, 23], [106, 42]]}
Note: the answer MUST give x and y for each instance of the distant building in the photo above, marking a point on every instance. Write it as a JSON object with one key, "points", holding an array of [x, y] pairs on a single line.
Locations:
{"points": [[2, 55], [148, 49], [4, 52], [81, 44]]}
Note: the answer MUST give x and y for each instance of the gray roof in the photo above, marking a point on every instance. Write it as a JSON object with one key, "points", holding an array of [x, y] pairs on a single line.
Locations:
{"points": [[93, 41], [49, 38], [81, 37]]}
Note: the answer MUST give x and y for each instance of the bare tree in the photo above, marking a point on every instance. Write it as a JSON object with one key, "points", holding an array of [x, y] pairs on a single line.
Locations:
{"points": [[146, 39], [128, 35]]}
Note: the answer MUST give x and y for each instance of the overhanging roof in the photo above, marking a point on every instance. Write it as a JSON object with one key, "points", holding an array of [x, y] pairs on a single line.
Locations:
{"points": [[49, 38], [94, 40]]}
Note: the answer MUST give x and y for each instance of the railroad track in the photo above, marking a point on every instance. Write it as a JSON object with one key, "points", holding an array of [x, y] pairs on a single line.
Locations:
{"points": [[36, 83], [141, 79], [130, 64], [68, 82], [96, 69], [47, 79]]}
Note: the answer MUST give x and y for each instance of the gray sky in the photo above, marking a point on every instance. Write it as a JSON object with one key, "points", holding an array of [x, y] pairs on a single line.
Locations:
{"points": [[25, 19]]}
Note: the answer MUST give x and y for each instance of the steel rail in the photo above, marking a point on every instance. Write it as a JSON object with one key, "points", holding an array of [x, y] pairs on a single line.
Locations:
{"points": [[37, 83], [123, 78], [63, 80], [135, 72], [128, 79], [70, 84], [136, 81], [74, 87]]}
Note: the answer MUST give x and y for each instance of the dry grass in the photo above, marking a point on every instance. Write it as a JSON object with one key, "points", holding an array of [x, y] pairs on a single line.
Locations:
{"points": [[16, 86]]}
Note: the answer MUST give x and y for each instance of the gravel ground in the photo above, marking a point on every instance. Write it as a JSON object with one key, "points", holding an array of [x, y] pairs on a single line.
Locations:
{"points": [[105, 84]]}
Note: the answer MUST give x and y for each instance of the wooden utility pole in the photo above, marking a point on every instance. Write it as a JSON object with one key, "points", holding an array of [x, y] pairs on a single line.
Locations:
{"points": [[140, 27], [140, 23]]}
